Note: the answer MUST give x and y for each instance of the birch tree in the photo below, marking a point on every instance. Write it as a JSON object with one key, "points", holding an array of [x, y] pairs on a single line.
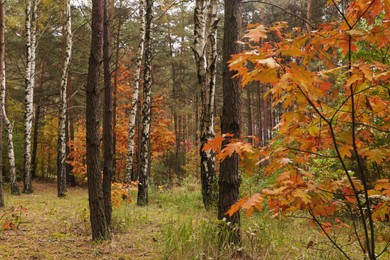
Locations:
{"points": [[8, 124], [31, 30], [61, 149], [205, 52], [142, 199], [134, 98]]}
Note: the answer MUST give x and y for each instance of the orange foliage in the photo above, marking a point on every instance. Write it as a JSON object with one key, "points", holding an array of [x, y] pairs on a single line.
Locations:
{"points": [[162, 136], [334, 114]]}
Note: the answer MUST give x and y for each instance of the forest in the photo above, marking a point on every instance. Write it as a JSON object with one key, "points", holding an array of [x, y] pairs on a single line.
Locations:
{"points": [[194, 129]]}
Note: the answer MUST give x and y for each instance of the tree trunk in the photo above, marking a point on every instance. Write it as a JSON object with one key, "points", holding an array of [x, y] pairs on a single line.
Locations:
{"points": [[308, 15], [205, 56], [116, 67], [259, 121], [9, 127], [135, 173], [229, 182], [61, 148], [96, 201], [134, 98], [142, 199], [71, 180], [34, 159], [31, 27], [108, 135], [249, 112], [2, 100]]}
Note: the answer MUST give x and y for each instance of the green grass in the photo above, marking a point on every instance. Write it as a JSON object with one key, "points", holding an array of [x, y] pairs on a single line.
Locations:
{"points": [[173, 226]]}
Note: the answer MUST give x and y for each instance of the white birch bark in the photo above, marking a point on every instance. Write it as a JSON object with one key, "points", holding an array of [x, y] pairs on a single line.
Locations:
{"points": [[205, 51], [31, 15], [8, 125], [134, 98], [61, 149], [9, 136], [142, 198]]}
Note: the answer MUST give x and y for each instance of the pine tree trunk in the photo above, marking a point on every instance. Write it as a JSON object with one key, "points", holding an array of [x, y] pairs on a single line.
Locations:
{"points": [[108, 135], [37, 123], [229, 182], [61, 148], [134, 99], [70, 178], [96, 201], [142, 199], [249, 112], [309, 15], [259, 105], [31, 27], [2, 100], [116, 66], [8, 125]]}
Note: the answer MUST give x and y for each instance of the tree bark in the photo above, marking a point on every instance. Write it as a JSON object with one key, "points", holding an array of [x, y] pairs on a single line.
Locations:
{"points": [[95, 193], [229, 182], [309, 15], [249, 112], [259, 119], [37, 123], [114, 106], [134, 99], [108, 135], [8, 124], [2, 70], [70, 178], [61, 147], [31, 28], [205, 52], [142, 199]]}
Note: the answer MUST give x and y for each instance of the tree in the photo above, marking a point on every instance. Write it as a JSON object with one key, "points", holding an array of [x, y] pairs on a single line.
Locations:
{"points": [[2, 70], [96, 201], [333, 85], [134, 100], [8, 124], [229, 182], [142, 198], [205, 51], [61, 149], [108, 135], [31, 31]]}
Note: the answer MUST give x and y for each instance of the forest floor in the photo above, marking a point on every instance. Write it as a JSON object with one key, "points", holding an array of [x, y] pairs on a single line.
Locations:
{"points": [[174, 226]]}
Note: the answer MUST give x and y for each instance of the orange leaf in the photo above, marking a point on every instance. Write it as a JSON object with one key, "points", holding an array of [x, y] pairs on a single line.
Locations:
{"points": [[236, 206], [256, 34]]}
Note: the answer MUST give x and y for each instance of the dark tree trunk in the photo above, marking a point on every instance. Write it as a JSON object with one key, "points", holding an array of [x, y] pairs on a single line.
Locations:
{"points": [[2, 63], [70, 178], [143, 199], [35, 142], [266, 116], [249, 112], [259, 121], [229, 182], [108, 137], [135, 172], [96, 201], [115, 87]]}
